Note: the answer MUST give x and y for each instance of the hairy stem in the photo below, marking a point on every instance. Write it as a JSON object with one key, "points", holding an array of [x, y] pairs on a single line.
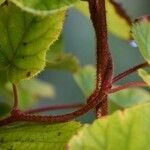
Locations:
{"points": [[127, 85], [20, 116], [104, 59], [55, 107], [129, 71], [102, 112], [98, 17]]}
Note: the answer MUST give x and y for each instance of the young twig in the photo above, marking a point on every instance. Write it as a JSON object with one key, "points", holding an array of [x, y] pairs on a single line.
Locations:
{"points": [[55, 107], [127, 72], [127, 85], [54, 119], [104, 58]]}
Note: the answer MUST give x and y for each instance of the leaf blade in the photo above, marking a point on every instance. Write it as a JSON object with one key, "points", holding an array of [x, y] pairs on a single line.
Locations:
{"points": [[128, 98], [121, 127], [144, 75], [86, 79], [57, 59], [37, 136], [141, 34], [21, 56], [45, 7], [2, 1]]}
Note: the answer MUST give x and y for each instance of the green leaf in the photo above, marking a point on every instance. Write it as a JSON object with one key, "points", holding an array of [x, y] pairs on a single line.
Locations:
{"points": [[24, 40], [116, 16], [65, 62], [141, 34], [86, 79], [144, 75], [44, 7], [83, 7], [56, 48], [59, 60], [128, 130], [37, 136], [128, 98], [2, 1]]}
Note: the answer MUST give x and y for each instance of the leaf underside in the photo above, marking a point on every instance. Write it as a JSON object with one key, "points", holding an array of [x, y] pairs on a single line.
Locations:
{"points": [[128, 130], [24, 40], [130, 97], [144, 75], [44, 7], [86, 79], [141, 34], [58, 59], [37, 136], [2, 1]]}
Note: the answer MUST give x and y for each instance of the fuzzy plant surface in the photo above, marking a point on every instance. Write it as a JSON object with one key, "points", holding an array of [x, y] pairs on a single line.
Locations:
{"points": [[31, 42]]}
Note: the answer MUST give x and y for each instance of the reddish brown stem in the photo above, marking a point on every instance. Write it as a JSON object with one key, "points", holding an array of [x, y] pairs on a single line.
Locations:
{"points": [[104, 59], [7, 121], [60, 118], [128, 85], [102, 112], [55, 107], [54, 119], [131, 70], [98, 17]]}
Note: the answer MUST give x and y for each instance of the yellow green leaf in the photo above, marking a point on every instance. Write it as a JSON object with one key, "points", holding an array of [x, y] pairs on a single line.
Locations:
{"points": [[141, 34], [128, 130], [144, 75], [128, 98], [86, 79], [37, 136], [2, 1], [57, 59], [24, 40], [44, 7]]}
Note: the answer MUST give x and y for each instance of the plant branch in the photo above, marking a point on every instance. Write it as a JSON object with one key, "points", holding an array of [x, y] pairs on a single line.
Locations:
{"points": [[104, 59], [7, 121], [127, 85], [131, 70], [55, 107], [98, 17], [102, 112], [20, 116]]}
